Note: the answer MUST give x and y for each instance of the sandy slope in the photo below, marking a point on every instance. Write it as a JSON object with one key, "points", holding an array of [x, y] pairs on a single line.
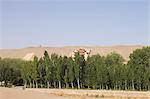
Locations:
{"points": [[38, 51]]}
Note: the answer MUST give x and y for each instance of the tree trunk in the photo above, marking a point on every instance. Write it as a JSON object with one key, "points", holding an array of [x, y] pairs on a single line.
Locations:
{"points": [[81, 85], [119, 87], [48, 84], [30, 84], [132, 85], [67, 85], [41, 84], [78, 81], [5, 83], [140, 85], [36, 84], [54, 84], [125, 84], [101, 86], [72, 85], [33, 84], [25, 84], [148, 87], [59, 84], [107, 87], [114, 86], [93, 87]]}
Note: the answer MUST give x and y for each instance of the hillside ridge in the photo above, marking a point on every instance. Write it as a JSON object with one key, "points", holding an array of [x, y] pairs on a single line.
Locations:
{"points": [[123, 50]]}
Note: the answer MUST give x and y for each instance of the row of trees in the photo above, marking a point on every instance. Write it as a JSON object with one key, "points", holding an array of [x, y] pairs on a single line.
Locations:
{"points": [[10, 71], [97, 72]]}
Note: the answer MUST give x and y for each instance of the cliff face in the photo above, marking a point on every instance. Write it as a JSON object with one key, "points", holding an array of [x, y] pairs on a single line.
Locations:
{"points": [[38, 51]]}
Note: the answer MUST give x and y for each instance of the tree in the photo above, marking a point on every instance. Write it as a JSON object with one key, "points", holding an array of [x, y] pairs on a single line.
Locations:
{"points": [[139, 63], [65, 72], [28, 73], [35, 71], [79, 66], [71, 72], [91, 73], [47, 63], [10, 71], [114, 63], [101, 71], [54, 59], [59, 70], [42, 71]]}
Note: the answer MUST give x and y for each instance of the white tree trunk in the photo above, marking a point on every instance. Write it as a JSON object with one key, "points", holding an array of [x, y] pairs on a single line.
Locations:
{"points": [[67, 85], [41, 85], [78, 83], [132, 85], [54, 84], [59, 84], [125, 84], [36, 84], [25, 84], [48, 84], [30, 84], [72, 85]]}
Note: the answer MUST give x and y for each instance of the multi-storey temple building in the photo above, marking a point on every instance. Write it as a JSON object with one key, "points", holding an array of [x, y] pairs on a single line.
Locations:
{"points": [[81, 51]]}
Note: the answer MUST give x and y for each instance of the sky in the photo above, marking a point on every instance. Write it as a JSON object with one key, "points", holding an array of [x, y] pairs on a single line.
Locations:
{"points": [[26, 23]]}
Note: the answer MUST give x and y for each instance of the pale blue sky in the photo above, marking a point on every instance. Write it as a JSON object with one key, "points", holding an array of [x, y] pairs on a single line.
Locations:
{"points": [[74, 22]]}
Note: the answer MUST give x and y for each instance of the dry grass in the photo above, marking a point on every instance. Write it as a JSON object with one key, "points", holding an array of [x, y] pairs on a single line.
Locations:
{"points": [[92, 94]]}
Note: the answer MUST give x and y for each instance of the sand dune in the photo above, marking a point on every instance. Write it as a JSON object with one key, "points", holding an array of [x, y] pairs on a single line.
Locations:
{"points": [[38, 51]]}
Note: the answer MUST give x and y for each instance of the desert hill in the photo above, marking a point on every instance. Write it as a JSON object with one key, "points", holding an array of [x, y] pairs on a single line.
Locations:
{"points": [[38, 51]]}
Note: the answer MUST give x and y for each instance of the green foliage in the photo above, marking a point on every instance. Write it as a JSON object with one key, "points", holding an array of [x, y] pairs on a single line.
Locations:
{"points": [[79, 68], [47, 64], [139, 66], [10, 71], [114, 63]]}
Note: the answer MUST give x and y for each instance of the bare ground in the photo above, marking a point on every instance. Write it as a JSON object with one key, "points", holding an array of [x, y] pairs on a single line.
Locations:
{"points": [[98, 94], [19, 93]]}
